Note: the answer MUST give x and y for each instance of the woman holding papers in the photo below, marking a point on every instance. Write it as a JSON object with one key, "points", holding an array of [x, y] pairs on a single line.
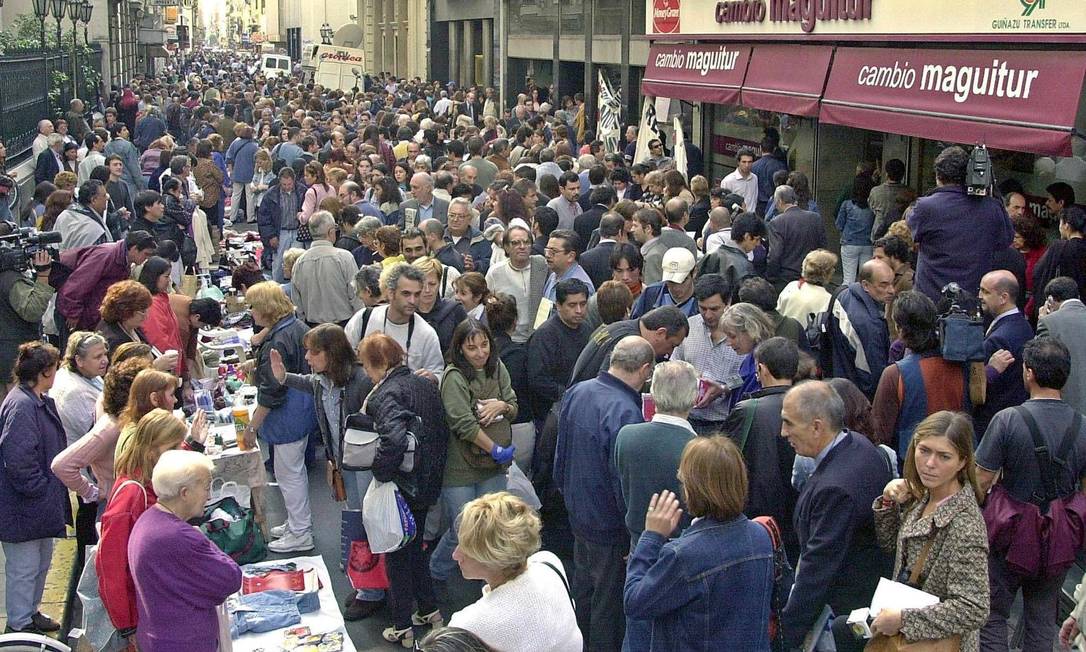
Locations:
{"points": [[932, 519]]}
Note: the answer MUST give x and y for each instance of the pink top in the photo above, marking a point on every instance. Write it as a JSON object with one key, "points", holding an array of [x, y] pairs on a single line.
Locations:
{"points": [[94, 449], [313, 198]]}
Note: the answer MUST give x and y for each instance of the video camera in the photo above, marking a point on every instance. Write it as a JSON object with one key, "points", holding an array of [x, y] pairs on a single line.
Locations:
{"points": [[978, 173], [961, 325], [18, 247]]}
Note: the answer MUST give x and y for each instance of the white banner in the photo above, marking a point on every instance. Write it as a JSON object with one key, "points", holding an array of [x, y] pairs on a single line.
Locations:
{"points": [[647, 130], [609, 125], [679, 151]]}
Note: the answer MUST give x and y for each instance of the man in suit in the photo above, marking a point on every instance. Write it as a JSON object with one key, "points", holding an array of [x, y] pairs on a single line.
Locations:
{"points": [[1007, 334], [522, 275], [423, 205], [1063, 316], [603, 200], [793, 234], [834, 521], [597, 176], [49, 162], [597, 260]]}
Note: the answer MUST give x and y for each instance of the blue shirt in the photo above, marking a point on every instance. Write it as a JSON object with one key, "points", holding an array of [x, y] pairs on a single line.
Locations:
{"points": [[242, 155], [826, 451], [576, 271]]}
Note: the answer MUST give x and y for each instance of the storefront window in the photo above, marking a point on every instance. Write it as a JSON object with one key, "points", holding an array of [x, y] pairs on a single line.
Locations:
{"points": [[736, 127], [1032, 171]]}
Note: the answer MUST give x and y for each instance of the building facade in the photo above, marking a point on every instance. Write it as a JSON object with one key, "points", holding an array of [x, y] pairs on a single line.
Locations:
{"points": [[879, 81]]}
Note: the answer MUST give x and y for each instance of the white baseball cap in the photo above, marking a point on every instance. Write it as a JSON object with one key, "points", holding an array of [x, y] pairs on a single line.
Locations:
{"points": [[678, 263]]}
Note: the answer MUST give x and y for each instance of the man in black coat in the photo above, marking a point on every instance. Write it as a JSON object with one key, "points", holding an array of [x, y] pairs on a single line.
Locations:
{"points": [[597, 260], [841, 559], [50, 161], [755, 425], [793, 234]]}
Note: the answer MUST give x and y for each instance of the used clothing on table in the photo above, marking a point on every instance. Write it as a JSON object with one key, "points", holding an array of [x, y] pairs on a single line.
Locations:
{"points": [[268, 611]]}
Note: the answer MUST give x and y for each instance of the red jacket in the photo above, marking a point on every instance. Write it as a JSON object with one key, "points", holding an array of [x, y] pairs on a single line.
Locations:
{"points": [[115, 584], [163, 331], [94, 269]]}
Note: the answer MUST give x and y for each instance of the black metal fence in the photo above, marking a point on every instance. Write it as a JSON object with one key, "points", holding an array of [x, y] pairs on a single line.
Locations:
{"points": [[26, 81]]}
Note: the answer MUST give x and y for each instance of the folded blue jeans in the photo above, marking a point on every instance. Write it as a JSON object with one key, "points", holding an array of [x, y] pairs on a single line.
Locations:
{"points": [[270, 610]]}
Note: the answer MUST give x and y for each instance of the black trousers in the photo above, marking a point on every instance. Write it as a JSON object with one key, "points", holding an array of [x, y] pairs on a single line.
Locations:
{"points": [[599, 576], [409, 577]]}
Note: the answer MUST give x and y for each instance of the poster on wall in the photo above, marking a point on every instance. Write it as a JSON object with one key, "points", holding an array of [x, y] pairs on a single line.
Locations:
{"points": [[610, 115]]}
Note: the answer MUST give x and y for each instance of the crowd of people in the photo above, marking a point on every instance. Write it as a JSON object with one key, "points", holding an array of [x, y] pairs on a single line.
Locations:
{"points": [[700, 408]]}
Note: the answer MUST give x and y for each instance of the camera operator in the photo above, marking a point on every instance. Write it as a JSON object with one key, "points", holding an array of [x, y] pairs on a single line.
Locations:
{"points": [[24, 296], [957, 233]]}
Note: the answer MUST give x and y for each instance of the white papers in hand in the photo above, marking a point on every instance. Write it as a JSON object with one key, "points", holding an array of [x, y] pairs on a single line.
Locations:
{"points": [[895, 595]]}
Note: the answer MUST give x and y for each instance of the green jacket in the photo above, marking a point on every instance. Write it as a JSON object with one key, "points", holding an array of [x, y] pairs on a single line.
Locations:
{"points": [[468, 464]]}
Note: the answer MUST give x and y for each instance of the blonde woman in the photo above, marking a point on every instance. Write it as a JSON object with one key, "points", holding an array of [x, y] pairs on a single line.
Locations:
{"points": [[809, 295], [263, 178], [526, 604], [157, 432], [745, 326], [284, 416]]}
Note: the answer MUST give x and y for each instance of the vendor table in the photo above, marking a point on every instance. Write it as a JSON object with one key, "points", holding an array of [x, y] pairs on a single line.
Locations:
{"points": [[328, 619], [243, 467]]}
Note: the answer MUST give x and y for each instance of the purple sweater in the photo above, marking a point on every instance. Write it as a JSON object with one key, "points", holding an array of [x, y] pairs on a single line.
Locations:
{"points": [[180, 578]]}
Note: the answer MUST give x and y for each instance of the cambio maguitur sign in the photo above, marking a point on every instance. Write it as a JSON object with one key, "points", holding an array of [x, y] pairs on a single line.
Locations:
{"points": [[838, 17]]}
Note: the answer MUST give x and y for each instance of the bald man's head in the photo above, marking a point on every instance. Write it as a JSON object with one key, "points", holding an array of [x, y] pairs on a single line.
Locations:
{"points": [[877, 279], [998, 292]]}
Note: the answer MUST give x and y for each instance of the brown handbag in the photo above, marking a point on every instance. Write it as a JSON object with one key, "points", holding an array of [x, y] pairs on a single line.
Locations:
{"points": [[897, 642], [335, 481]]}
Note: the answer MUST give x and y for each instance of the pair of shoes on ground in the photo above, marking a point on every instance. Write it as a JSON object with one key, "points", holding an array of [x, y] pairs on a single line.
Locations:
{"points": [[287, 541], [406, 636], [39, 624]]}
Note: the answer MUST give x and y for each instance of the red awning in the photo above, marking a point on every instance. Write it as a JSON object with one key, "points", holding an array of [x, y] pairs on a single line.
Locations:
{"points": [[774, 82], [696, 73], [1009, 99]]}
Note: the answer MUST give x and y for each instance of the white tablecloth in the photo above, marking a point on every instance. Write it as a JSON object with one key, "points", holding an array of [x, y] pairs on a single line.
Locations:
{"points": [[328, 619]]}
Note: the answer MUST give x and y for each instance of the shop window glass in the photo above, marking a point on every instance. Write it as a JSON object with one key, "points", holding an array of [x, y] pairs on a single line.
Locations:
{"points": [[735, 127]]}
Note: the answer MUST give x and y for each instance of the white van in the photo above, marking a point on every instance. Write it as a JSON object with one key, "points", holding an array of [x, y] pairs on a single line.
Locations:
{"points": [[275, 65], [335, 67]]}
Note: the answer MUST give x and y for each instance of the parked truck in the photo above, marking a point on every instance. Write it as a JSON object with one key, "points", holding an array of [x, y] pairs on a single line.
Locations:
{"points": [[334, 66]]}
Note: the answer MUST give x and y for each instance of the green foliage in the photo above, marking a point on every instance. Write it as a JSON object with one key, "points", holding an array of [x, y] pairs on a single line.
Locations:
{"points": [[24, 33]]}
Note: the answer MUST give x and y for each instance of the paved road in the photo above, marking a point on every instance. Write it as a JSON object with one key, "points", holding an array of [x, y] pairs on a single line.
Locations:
{"points": [[366, 634]]}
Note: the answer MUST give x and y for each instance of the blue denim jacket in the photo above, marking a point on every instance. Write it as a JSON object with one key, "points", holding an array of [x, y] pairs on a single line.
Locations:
{"points": [[855, 224], [707, 590]]}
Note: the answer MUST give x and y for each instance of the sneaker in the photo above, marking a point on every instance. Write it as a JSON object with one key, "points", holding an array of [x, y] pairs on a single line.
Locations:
{"points": [[279, 531], [44, 623], [292, 542], [405, 637], [433, 618], [360, 609]]}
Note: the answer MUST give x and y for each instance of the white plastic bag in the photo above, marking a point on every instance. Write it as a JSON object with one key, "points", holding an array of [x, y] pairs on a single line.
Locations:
{"points": [[220, 490], [520, 486], [388, 522]]}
